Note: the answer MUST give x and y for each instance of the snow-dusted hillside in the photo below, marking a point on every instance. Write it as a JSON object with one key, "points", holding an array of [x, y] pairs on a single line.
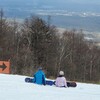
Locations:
{"points": [[13, 87]]}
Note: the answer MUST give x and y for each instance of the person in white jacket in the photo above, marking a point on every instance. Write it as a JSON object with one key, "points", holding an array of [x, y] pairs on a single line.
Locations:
{"points": [[61, 80]]}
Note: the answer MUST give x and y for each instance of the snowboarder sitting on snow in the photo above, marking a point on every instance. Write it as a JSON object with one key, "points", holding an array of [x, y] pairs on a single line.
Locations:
{"points": [[39, 77], [61, 80]]}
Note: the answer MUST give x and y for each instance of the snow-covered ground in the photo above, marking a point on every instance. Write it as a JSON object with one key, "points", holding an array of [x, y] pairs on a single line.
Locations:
{"points": [[13, 87]]}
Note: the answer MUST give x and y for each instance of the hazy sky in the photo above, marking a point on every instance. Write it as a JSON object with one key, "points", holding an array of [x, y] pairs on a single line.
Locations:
{"points": [[85, 1], [58, 1], [75, 1]]}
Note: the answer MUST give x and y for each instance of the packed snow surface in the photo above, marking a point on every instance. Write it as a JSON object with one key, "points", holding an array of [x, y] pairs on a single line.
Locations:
{"points": [[14, 87]]}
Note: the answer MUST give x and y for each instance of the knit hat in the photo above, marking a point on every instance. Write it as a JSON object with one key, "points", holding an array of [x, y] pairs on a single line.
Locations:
{"points": [[61, 73]]}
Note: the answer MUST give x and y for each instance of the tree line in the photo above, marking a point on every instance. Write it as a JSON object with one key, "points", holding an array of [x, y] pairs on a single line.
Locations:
{"points": [[35, 42]]}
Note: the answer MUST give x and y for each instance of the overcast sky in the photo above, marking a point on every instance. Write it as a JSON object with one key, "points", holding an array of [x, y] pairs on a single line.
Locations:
{"points": [[62, 1], [75, 1]]}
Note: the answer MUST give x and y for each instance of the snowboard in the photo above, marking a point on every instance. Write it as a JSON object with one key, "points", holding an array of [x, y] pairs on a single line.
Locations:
{"points": [[30, 80], [50, 82], [70, 84]]}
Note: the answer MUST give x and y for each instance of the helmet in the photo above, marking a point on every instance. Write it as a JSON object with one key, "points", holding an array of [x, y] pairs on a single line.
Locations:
{"points": [[61, 73], [40, 68]]}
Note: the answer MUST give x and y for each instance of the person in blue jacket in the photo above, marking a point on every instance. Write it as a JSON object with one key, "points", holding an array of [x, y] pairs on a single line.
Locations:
{"points": [[39, 77]]}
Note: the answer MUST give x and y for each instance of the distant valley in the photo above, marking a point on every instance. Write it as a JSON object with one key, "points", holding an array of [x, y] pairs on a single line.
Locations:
{"points": [[63, 14]]}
